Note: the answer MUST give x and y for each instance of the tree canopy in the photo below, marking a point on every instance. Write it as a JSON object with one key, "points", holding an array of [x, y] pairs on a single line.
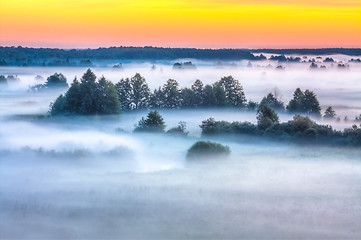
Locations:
{"points": [[88, 97]]}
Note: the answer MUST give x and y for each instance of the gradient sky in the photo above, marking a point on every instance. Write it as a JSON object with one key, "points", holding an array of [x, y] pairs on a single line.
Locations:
{"points": [[197, 23]]}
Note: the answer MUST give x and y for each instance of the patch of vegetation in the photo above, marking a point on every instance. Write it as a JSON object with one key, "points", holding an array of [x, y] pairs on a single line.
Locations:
{"points": [[88, 97], [207, 149], [55, 81], [179, 130], [153, 123], [300, 129]]}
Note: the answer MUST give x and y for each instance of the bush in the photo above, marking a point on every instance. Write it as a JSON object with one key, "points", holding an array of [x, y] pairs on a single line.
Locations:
{"points": [[180, 130], [207, 149]]}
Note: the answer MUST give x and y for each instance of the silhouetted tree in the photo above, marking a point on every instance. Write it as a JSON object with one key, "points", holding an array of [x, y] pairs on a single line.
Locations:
{"points": [[124, 90], [272, 102], [172, 94], [56, 80], [233, 91], [153, 123], [140, 92], [329, 113], [266, 116], [198, 90]]}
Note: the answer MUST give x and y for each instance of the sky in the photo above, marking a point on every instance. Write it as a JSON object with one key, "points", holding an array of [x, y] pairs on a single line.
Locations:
{"points": [[166, 23]]}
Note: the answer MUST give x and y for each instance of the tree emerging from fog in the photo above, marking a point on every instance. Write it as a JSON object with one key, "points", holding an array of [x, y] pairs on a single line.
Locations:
{"points": [[304, 102], [88, 97], [153, 123]]}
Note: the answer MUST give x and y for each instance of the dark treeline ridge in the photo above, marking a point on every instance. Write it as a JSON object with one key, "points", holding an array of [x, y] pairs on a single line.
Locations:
{"points": [[37, 56], [310, 51]]}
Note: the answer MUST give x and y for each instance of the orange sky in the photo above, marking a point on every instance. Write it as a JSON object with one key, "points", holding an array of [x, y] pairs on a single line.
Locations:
{"points": [[197, 23]]}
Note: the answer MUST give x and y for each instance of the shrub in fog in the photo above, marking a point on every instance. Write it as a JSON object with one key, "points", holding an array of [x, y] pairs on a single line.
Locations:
{"points": [[55, 81], [207, 149], [179, 130], [212, 127], [153, 123]]}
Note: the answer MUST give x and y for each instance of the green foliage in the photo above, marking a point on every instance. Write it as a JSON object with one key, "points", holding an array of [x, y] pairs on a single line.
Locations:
{"points": [[172, 94], [198, 90], [304, 102], [207, 149], [153, 123], [157, 99], [330, 113], [233, 91], [273, 102], [212, 127], [251, 105], [266, 116], [353, 134], [88, 97], [188, 98], [57, 80], [209, 97], [140, 96], [179, 130], [124, 90], [300, 129]]}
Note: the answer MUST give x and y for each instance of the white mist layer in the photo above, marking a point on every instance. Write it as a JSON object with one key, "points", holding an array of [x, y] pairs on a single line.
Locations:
{"points": [[92, 177]]}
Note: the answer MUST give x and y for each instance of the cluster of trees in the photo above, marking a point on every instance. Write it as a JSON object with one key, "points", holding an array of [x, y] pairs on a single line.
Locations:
{"points": [[304, 102], [89, 96], [283, 58], [134, 93], [55, 81], [301, 128], [184, 65], [102, 97], [8, 79], [154, 122]]}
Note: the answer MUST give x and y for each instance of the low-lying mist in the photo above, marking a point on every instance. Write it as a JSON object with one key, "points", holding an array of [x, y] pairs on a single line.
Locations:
{"points": [[79, 177]]}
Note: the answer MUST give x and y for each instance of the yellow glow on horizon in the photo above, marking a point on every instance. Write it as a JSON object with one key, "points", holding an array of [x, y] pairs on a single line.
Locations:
{"points": [[212, 23]]}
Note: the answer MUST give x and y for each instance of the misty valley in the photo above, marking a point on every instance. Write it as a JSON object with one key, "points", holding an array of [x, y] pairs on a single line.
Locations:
{"points": [[182, 149]]}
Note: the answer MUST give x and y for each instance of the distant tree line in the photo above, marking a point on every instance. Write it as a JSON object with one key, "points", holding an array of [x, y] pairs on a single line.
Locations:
{"points": [[39, 56], [305, 51]]}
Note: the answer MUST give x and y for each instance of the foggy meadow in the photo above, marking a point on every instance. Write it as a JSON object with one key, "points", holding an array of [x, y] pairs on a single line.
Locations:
{"points": [[92, 176]]}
